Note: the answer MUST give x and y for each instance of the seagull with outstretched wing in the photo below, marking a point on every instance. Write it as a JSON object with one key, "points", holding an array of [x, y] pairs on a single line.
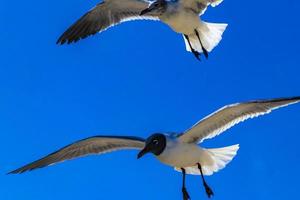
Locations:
{"points": [[180, 151], [181, 15]]}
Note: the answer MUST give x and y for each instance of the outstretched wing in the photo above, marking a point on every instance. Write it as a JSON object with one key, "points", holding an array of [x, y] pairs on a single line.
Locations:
{"points": [[231, 115], [88, 146], [103, 16]]}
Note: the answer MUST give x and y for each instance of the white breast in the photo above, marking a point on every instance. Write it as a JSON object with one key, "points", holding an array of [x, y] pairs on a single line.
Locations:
{"points": [[179, 154], [181, 20]]}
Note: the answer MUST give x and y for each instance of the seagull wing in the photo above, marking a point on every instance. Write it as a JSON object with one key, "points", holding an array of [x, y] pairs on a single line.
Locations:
{"points": [[103, 16], [200, 6], [88, 146], [231, 115], [213, 3]]}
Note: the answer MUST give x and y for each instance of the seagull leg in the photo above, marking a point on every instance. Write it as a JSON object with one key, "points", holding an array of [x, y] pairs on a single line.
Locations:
{"points": [[203, 49], [196, 54], [185, 194], [209, 191]]}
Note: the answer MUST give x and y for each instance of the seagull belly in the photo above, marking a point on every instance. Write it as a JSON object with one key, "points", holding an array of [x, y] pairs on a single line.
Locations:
{"points": [[182, 22], [181, 155]]}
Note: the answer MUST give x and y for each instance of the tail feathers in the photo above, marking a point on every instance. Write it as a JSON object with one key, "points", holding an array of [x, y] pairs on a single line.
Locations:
{"points": [[217, 160], [221, 157], [210, 35]]}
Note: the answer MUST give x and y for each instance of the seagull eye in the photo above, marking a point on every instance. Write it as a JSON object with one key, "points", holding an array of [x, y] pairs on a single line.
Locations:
{"points": [[155, 142]]}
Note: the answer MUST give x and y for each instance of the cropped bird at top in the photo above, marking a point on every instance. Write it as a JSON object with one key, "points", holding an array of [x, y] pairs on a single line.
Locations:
{"points": [[181, 15], [180, 151]]}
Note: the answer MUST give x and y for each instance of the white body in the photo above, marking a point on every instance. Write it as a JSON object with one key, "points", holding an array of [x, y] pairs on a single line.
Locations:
{"points": [[181, 19], [187, 155], [178, 154]]}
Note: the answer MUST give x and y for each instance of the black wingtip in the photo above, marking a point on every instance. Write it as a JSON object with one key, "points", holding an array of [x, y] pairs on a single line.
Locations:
{"points": [[62, 41], [13, 172], [65, 39], [295, 99], [59, 42], [20, 171], [16, 171]]}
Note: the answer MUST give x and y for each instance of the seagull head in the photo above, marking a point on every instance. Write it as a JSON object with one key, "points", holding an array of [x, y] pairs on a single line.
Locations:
{"points": [[156, 8], [155, 144]]}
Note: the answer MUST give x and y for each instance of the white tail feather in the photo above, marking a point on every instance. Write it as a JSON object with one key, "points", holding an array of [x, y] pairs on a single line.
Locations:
{"points": [[210, 36], [218, 158]]}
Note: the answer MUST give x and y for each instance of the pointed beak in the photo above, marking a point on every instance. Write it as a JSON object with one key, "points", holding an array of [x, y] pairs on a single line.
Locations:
{"points": [[143, 152], [147, 10]]}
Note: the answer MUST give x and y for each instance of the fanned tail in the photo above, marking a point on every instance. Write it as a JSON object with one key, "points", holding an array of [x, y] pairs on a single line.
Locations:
{"points": [[213, 160], [209, 36]]}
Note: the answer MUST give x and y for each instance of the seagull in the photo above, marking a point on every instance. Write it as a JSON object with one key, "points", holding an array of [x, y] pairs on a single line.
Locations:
{"points": [[181, 15], [178, 150]]}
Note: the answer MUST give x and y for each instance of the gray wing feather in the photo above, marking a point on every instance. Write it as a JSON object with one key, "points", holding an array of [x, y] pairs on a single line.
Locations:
{"points": [[231, 115], [88, 146], [103, 16]]}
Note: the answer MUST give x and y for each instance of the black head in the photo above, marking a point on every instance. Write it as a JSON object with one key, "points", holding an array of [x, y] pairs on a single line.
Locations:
{"points": [[156, 8], [155, 144]]}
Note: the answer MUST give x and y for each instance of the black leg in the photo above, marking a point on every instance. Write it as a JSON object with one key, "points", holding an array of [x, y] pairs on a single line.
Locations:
{"points": [[203, 49], [209, 191], [196, 54], [185, 194]]}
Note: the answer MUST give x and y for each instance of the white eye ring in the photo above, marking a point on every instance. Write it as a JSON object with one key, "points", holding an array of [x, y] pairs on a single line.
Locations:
{"points": [[155, 141]]}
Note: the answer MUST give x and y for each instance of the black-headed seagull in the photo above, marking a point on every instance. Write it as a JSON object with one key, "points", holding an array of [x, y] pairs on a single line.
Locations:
{"points": [[180, 151], [181, 15]]}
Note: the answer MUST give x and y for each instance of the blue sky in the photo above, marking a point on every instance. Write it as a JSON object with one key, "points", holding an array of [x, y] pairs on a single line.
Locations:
{"points": [[136, 79]]}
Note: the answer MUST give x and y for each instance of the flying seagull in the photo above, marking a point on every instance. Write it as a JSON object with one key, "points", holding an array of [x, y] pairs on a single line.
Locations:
{"points": [[181, 15], [180, 151]]}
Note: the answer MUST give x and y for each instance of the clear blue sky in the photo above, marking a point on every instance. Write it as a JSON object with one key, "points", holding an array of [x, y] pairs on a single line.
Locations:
{"points": [[136, 79]]}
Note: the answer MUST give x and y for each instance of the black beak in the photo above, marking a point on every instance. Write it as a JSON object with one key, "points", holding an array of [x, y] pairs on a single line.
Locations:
{"points": [[145, 11], [143, 152]]}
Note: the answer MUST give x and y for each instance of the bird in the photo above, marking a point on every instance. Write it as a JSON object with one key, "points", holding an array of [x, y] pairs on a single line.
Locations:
{"points": [[181, 15], [179, 150]]}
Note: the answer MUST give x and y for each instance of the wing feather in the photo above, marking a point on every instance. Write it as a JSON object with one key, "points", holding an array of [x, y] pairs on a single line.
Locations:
{"points": [[231, 115], [200, 5], [88, 146], [103, 16]]}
